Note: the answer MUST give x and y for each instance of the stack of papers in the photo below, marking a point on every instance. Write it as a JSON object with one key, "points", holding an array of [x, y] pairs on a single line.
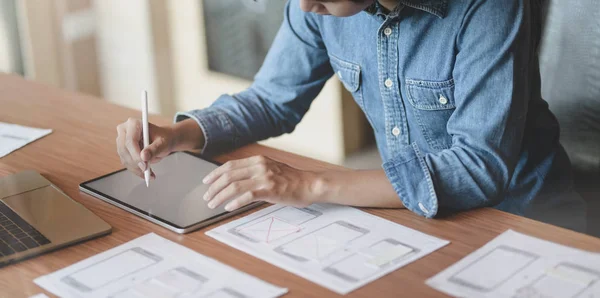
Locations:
{"points": [[153, 267], [340, 248], [519, 266], [13, 137]]}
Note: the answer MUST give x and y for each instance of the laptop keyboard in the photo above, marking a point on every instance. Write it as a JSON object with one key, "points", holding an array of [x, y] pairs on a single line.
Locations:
{"points": [[16, 235]]}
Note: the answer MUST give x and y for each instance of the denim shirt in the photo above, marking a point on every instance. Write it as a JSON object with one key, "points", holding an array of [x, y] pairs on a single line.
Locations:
{"points": [[451, 89]]}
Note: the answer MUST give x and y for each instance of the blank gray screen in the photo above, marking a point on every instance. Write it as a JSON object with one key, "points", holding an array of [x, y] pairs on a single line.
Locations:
{"points": [[175, 195]]}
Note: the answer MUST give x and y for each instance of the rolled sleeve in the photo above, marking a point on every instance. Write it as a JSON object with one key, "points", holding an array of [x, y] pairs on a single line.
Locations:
{"points": [[412, 181], [215, 125], [292, 75]]}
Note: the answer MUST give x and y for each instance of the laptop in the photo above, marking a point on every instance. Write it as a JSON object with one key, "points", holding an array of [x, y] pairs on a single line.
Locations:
{"points": [[37, 217]]}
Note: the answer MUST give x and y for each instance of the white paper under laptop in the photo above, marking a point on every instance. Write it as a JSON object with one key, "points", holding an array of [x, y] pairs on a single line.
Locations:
{"points": [[13, 137]]}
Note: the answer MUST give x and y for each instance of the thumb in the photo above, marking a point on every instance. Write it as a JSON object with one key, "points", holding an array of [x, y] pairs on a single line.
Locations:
{"points": [[157, 149]]}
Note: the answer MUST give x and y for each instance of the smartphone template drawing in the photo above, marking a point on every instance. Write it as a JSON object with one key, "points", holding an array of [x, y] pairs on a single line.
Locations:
{"points": [[506, 261], [226, 293], [319, 244], [275, 225], [171, 283], [111, 269], [565, 280], [368, 262]]}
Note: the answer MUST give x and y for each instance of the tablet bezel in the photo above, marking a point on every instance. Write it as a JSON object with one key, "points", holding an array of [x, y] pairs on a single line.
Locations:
{"points": [[153, 218]]}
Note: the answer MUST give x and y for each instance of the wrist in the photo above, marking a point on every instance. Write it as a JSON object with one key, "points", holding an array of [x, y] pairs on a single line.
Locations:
{"points": [[187, 135], [323, 187]]}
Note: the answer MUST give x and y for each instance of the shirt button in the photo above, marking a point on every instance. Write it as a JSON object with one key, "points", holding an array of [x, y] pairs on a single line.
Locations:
{"points": [[443, 100], [422, 207], [388, 83], [387, 31], [396, 131]]}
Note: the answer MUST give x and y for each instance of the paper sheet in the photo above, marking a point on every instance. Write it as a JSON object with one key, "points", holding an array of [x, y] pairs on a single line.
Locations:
{"points": [[519, 266], [13, 137], [151, 266], [340, 248]]}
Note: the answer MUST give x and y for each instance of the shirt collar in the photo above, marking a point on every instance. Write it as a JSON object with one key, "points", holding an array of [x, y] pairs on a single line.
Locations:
{"points": [[435, 7]]}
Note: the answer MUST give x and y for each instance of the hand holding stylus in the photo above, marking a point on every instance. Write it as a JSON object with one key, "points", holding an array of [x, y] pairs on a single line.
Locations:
{"points": [[181, 136]]}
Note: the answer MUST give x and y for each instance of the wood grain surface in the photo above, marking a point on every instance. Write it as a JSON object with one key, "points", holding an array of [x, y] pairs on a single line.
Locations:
{"points": [[82, 147]]}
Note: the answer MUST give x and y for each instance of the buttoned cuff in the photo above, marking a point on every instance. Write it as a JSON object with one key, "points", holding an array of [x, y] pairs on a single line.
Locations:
{"points": [[411, 180], [216, 126]]}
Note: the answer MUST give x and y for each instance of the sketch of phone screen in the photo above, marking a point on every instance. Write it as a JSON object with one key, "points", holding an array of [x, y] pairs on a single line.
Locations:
{"points": [[368, 262], [175, 282], [111, 269], [226, 293], [493, 269], [275, 225], [563, 281], [321, 243]]}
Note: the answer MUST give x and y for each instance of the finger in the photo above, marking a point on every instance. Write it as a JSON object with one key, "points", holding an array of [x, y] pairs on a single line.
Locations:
{"points": [[245, 199], [226, 179], [123, 152], [232, 165], [154, 150], [132, 140], [136, 171], [232, 190], [156, 160]]}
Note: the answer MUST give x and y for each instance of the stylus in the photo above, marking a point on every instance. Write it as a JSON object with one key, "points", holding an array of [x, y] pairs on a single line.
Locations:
{"points": [[145, 132]]}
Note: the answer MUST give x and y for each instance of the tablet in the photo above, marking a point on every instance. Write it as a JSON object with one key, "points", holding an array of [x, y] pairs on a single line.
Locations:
{"points": [[174, 198]]}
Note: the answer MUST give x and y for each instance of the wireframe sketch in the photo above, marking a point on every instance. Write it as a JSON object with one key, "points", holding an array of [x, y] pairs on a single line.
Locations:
{"points": [[321, 243], [275, 225], [170, 284], [377, 257], [225, 293], [111, 269], [485, 274], [565, 280]]}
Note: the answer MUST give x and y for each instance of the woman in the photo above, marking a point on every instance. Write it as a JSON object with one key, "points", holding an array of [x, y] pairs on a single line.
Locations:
{"points": [[451, 89]]}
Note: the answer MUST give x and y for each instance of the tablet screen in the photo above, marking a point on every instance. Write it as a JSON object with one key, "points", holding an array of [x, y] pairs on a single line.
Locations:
{"points": [[175, 196]]}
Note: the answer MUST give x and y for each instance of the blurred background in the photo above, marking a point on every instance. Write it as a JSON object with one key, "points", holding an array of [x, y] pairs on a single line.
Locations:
{"points": [[188, 52], [185, 53]]}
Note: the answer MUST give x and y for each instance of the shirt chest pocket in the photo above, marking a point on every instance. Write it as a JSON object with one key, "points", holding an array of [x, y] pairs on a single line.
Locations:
{"points": [[349, 73], [433, 104]]}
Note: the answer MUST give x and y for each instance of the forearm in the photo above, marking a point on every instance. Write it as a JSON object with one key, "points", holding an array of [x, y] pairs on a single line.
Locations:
{"points": [[356, 188]]}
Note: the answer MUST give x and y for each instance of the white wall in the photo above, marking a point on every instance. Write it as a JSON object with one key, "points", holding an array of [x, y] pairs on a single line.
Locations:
{"points": [[126, 60], [10, 51]]}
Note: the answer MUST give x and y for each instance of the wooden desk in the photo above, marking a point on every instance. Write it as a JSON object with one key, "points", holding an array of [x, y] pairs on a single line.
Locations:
{"points": [[82, 147]]}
